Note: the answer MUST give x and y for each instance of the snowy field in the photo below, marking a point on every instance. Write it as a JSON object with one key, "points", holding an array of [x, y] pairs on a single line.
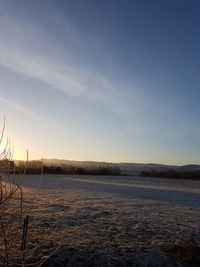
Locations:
{"points": [[112, 221]]}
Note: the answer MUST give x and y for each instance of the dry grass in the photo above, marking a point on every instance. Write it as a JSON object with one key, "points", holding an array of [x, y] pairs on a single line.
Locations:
{"points": [[187, 252], [104, 228]]}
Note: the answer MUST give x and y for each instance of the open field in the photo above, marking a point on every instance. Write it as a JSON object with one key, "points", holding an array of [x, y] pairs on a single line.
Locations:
{"points": [[111, 221]]}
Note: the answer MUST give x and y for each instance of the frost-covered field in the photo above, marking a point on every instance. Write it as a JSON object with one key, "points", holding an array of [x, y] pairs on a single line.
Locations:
{"points": [[111, 221]]}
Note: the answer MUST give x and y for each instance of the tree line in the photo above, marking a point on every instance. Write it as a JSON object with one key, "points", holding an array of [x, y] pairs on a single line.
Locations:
{"points": [[193, 175], [38, 168]]}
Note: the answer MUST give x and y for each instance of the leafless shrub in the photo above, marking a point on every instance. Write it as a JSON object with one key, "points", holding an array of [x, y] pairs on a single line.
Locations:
{"points": [[15, 223]]}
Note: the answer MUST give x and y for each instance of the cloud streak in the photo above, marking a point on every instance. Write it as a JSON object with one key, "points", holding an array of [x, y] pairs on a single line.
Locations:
{"points": [[18, 107], [18, 55]]}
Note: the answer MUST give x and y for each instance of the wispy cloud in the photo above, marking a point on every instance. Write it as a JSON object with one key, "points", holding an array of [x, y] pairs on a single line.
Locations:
{"points": [[19, 107], [18, 55], [26, 50]]}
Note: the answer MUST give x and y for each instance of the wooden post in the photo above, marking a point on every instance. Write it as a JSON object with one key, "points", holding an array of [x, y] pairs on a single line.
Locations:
{"points": [[24, 238]]}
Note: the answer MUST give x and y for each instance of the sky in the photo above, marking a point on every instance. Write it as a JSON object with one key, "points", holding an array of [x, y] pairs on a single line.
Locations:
{"points": [[102, 80]]}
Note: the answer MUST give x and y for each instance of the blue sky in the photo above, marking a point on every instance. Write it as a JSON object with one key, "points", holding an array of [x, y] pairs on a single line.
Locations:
{"points": [[102, 80]]}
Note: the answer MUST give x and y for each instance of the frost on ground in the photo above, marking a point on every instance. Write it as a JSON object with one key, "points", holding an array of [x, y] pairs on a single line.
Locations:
{"points": [[110, 221]]}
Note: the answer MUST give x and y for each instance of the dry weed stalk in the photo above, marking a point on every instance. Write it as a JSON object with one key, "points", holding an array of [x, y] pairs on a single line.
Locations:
{"points": [[11, 204]]}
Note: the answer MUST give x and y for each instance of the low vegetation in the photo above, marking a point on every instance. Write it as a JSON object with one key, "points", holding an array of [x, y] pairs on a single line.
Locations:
{"points": [[172, 174]]}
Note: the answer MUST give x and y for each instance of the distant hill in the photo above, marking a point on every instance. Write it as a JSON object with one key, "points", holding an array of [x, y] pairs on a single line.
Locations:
{"points": [[136, 168], [190, 167]]}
